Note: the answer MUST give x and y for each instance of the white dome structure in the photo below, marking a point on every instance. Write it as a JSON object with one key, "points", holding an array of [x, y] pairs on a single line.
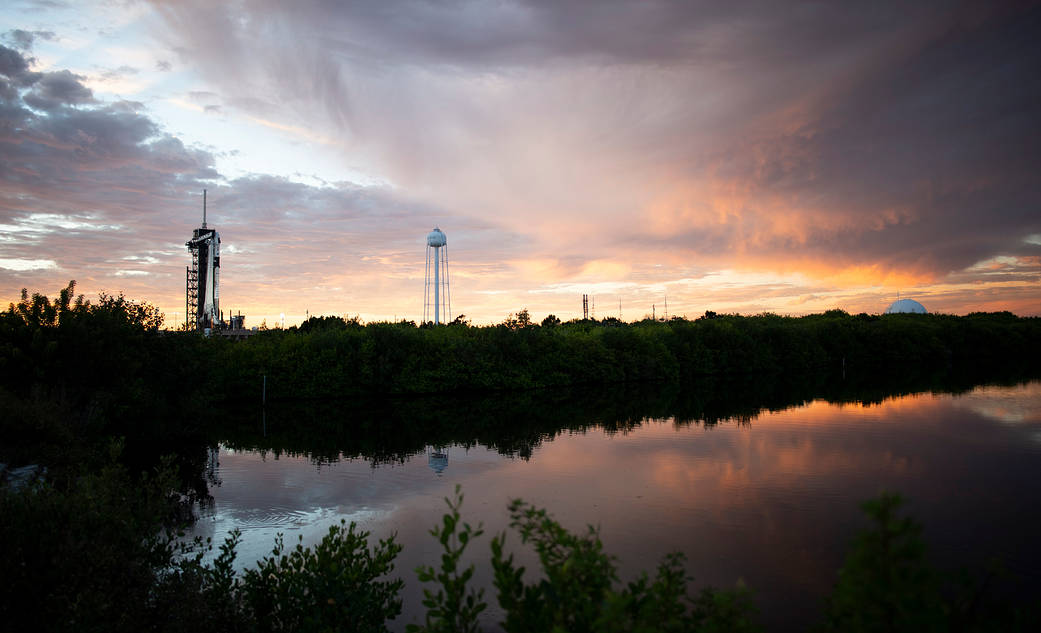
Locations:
{"points": [[906, 306]]}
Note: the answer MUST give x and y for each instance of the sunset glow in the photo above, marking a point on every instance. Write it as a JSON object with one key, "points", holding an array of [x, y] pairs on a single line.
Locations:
{"points": [[789, 158]]}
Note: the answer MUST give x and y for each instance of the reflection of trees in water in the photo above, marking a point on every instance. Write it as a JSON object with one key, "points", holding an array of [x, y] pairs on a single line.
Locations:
{"points": [[515, 424]]}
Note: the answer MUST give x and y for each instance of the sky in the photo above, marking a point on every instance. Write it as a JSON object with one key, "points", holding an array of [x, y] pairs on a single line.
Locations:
{"points": [[739, 157]]}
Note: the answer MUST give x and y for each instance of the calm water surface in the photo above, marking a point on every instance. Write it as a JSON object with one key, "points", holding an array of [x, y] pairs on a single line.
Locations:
{"points": [[771, 501]]}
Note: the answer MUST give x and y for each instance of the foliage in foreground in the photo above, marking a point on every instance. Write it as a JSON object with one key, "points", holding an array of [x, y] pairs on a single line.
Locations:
{"points": [[92, 558], [579, 591], [887, 584], [452, 608], [85, 558], [337, 585]]}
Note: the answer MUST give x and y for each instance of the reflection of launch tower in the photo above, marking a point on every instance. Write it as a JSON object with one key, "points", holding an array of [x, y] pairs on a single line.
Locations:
{"points": [[201, 303]]}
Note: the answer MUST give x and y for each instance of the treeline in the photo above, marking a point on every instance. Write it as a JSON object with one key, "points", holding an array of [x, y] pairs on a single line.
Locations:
{"points": [[75, 373], [81, 353], [330, 357]]}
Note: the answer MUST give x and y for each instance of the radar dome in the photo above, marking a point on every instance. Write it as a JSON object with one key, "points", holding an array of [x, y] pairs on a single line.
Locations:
{"points": [[436, 238], [906, 306]]}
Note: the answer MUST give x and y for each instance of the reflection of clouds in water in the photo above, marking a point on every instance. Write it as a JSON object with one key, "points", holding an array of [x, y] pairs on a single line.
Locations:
{"points": [[774, 501], [260, 528], [1008, 405], [787, 454], [263, 494]]}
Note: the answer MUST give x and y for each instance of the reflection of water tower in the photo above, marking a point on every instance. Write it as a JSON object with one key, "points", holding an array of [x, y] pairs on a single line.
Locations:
{"points": [[201, 286], [442, 309], [438, 459]]}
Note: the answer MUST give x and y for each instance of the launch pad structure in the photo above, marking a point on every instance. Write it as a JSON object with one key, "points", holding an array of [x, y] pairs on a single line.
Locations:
{"points": [[202, 295], [202, 285]]}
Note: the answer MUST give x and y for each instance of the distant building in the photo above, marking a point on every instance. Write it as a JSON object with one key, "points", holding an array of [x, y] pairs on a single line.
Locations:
{"points": [[906, 306]]}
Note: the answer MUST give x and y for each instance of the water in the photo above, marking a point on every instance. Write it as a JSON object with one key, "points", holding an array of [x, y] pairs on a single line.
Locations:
{"points": [[768, 498]]}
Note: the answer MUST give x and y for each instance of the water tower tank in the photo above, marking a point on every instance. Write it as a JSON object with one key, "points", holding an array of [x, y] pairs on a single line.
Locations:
{"points": [[436, 238]]}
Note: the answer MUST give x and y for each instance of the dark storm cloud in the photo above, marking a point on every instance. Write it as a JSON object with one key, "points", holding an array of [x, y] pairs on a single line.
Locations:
{"points": [[57, 89], [925, 158], [23, 40], [43, 150], [477, 34], [885, 132], [47, 90], [15, 67]]}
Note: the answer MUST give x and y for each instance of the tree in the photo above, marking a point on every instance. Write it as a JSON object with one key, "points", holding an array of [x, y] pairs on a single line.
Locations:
{"points": [[339, 584], [451, 609], [519, 321], [577, 588]]}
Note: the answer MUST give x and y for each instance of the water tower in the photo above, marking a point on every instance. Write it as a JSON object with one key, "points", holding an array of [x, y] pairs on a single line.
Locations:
{"points": [[437, 459], [201, 285], [438, 263]]}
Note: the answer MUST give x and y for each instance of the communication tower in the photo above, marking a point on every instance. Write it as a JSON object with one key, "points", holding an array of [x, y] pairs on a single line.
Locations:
{"points": [[201, 284], [437, 268]]}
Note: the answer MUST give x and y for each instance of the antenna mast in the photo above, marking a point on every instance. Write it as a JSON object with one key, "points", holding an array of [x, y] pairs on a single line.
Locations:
{"points": [[203, 208]]}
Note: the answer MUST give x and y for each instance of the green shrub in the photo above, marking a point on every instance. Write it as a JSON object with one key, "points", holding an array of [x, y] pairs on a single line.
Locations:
{"points": [[338, 585], [578, 592], [451, 609]]}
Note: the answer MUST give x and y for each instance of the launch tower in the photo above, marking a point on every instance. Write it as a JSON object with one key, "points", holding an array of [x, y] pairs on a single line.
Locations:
{"points": [[201, 286]]}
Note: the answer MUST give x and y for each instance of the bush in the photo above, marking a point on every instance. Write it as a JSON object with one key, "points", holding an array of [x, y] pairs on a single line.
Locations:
{"points": [[578, 592], [337, 585]]}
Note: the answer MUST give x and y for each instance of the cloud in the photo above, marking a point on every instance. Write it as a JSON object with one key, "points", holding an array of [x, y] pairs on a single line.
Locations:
{"points": [[887, 137], [23, 40], [57, 89], [787, 157], [27, 264], [15, 67], [101, 193]]}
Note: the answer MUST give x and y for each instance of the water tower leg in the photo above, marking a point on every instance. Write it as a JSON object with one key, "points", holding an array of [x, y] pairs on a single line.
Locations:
{"points": [[437, 286]]}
